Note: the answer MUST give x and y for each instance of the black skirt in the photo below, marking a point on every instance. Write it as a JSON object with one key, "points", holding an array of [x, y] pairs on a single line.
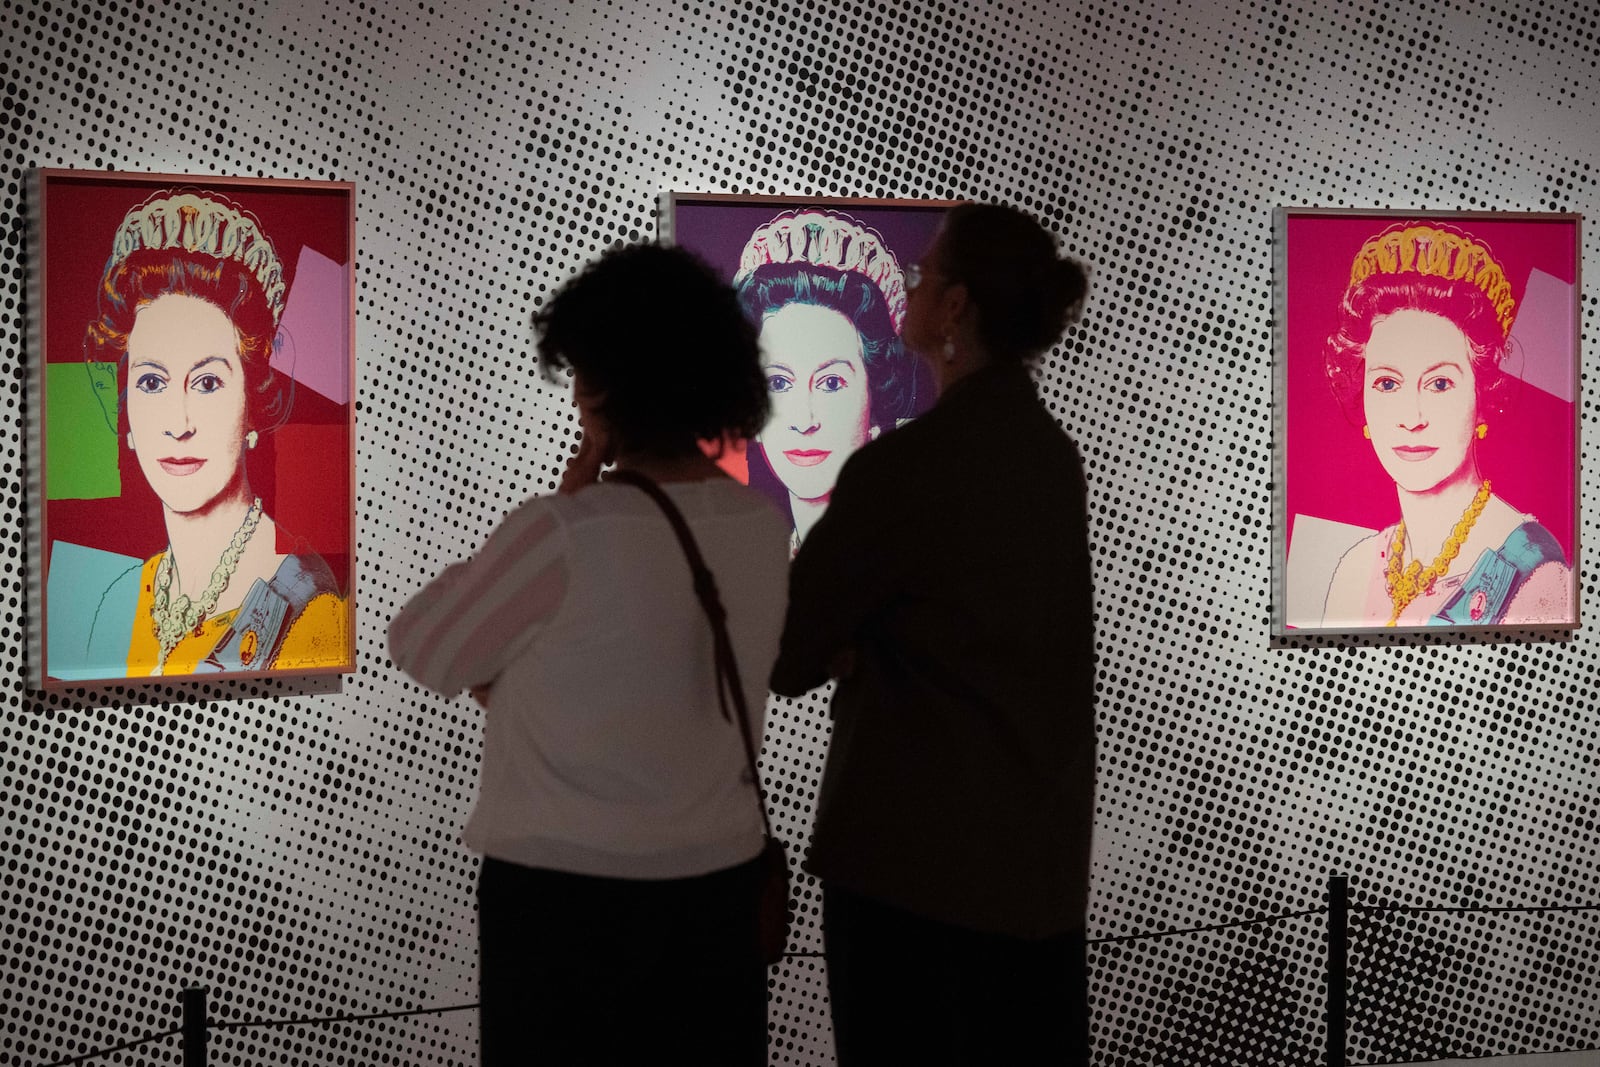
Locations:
{"points": [[586, 970]]}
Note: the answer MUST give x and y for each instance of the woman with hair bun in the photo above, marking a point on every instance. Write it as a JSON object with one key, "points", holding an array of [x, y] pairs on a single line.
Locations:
{"points": [[948, 589]]}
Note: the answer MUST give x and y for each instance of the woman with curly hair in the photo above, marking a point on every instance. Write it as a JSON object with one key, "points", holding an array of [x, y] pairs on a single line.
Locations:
{"points": [[618, 824]]}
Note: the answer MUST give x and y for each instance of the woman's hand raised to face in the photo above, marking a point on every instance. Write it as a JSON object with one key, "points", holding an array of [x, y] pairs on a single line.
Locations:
{"points": [[843, 664], [584, 466], [595, 449], [594, 452]]}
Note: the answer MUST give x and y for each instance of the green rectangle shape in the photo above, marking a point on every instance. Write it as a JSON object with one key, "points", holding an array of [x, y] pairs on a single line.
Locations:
{"points": [[80, 444]]}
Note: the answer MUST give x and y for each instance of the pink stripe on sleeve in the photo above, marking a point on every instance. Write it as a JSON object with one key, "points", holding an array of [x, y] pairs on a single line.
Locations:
{"points": [[499, 561], [403, 628], [427, 638], [535, 601]]}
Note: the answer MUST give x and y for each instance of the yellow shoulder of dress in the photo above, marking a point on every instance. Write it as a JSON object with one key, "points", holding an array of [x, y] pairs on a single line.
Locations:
{"points": [[318, 638]]}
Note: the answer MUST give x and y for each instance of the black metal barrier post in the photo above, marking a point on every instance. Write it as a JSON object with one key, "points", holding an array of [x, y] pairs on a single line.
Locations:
{"points": [[1338, 964], [194, 1026]]}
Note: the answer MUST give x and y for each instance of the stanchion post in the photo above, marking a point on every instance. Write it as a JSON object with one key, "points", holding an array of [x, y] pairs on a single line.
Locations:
{"points": [[194, 1026], [1338, 967]]}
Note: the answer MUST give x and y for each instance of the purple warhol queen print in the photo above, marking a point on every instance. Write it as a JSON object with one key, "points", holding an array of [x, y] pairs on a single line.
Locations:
{"points": [[825, 282]]}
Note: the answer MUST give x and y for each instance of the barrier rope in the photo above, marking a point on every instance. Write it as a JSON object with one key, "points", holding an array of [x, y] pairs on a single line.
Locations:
{"points": [[245, 1023], [87, 1056], [1108, 940]]}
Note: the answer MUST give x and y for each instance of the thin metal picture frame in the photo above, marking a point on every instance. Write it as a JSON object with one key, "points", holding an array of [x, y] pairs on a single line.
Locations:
{"points": [[149, 433], [1426, 368]]}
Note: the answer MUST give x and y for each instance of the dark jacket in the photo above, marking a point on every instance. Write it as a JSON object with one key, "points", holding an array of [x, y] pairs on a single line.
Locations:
{"points": [[953, 562]]}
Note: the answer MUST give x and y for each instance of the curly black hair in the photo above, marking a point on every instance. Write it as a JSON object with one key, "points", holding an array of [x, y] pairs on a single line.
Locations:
{"points": [[663, 339]]}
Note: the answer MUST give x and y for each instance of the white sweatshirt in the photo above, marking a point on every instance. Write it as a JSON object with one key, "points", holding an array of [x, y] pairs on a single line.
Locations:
{"points": [[605, 752]]}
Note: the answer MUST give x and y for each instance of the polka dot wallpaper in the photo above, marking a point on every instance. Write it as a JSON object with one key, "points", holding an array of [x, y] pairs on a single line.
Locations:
{"points": [[292, 845]]}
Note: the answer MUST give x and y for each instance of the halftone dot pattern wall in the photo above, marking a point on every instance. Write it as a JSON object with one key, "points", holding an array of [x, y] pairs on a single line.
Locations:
{"points": [[293, 845]]}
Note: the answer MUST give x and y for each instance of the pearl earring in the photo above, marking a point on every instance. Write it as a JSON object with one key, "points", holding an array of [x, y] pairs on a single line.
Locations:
{"points": [[130, 442], [949, 349], [1366, 431], [1483, 430], [250, 439]]}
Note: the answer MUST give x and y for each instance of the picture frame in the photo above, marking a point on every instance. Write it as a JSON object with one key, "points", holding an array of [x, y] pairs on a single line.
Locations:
{"points": [[193, 398], [1426, 421], [846, 258]]}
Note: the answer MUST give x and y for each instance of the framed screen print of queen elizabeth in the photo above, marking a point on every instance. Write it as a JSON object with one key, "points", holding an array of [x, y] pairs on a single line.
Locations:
{"points": [[825, 280], [1427, 422], [194, 471]]}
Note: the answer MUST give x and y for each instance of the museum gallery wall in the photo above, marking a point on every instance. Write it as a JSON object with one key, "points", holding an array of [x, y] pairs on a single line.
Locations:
{"points": [[290, 842]]}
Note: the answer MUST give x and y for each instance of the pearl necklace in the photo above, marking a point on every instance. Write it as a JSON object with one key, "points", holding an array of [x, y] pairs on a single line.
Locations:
{"points": [[1405, 585], [176, 618]]}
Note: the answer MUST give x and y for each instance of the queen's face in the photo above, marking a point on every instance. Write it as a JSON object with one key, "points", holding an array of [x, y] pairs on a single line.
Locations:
{"points": [[821, 406], [186, 400], [1420, 399]]}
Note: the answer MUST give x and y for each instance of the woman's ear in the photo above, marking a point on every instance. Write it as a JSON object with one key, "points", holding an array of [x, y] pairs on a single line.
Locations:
{"points": [[584, 395], [954, 306], [592, 417]]}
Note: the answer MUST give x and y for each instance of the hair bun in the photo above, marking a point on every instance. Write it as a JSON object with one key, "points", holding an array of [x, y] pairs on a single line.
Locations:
{"points": [[1072, 280], [1025, 293]]}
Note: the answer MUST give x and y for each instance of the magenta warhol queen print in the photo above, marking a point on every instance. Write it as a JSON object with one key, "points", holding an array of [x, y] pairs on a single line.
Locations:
{"points": [[1426, 420]]}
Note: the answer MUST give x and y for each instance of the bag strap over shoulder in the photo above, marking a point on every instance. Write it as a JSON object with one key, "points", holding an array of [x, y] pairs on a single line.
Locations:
{"points": [[705, 587]]}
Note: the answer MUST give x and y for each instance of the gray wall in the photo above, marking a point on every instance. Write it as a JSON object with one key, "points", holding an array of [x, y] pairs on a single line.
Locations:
{"points": [[293, 845]]}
